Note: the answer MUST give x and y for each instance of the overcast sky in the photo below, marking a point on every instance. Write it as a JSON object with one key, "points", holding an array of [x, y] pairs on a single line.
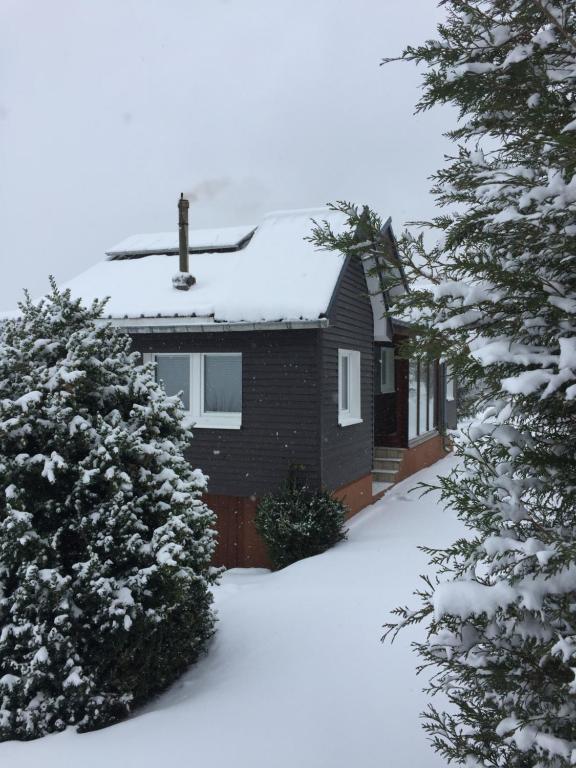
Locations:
{"points": [[109, 109]]}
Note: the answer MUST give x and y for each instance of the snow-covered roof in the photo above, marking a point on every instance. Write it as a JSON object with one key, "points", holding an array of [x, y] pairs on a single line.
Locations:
{"points": [[276, 276], [167, 242]]}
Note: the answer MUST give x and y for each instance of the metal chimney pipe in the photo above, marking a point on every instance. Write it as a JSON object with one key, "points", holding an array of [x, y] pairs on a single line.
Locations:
{"points": [[183, 280], [183, 206]]}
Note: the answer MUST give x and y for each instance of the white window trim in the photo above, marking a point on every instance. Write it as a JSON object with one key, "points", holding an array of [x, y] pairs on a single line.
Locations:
{"points": [[414, 406], [202, 419], [351, 415]]}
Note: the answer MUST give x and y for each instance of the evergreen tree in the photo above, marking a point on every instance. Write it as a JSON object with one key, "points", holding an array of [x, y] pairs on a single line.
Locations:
{"points": [[496, 298], [105, 544]]}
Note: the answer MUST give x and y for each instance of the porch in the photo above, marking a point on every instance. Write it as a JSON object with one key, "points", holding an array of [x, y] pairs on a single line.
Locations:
{"points": [[408, 416]]}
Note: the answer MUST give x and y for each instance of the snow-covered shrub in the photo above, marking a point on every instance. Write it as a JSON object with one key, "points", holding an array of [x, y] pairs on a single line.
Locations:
{"points": [[298, 522], [105, 544], [498, 302]]}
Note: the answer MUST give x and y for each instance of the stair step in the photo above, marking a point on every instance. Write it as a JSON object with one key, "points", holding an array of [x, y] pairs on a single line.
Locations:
{"points": [[384, 476], [392, 465], [388, 453]]}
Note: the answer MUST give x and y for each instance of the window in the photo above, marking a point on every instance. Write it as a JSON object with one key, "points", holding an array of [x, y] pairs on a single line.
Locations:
{"points": [[209, 385], [348, 387], [387, 378], [344, 384], [222, 383], [431, 398], [450, 395], [413, 399], [174, 372], [421, 398]]}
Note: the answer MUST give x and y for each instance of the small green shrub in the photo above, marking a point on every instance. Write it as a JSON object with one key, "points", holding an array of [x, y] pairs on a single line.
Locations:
{"points": [[298, 522]]}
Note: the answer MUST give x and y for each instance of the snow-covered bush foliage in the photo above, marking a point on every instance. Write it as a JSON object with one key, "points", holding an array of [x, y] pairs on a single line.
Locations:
{"points": [[497, 299], [298, 522], [105, 544]]}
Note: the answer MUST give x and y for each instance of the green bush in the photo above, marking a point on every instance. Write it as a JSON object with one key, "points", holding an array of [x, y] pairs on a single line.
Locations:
{"points": [[105, 542], [298, 522]]}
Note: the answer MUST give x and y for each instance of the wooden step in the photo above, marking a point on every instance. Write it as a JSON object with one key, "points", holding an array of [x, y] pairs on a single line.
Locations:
{"points": [[384, 476], [388, 453], [392, 465]]}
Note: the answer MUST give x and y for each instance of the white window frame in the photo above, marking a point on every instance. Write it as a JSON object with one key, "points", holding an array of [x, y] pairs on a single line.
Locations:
{"points": [[201, 418], [415, 406], [387, 366], [352, 414]]}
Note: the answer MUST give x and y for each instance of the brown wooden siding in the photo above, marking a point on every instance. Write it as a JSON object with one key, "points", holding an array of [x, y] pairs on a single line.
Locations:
{"points": [[356, 495], [239, 545], [421, 455], [280, 409], [346, 452]]}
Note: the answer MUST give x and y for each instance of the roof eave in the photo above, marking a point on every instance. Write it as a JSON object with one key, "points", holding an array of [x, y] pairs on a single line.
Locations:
{"points": [[189, 325]]}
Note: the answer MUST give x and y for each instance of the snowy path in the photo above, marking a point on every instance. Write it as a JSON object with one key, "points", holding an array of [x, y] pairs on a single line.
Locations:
{"points": [[296, 677]]}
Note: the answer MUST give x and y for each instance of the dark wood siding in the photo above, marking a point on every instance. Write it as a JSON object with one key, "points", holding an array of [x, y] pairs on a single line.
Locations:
{"points": [[280, 409], [347, 451]]}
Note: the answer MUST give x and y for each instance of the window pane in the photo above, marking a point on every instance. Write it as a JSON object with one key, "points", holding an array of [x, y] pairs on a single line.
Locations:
{"points": [[449, 384], [413, 399], [383, 370], [431, 396], [344, 379], [223, 383], [387, 383], [423, 398], [174, 373]]}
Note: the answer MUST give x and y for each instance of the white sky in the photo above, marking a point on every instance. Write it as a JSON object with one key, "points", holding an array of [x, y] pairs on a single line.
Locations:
{"points": [[109, 109]]}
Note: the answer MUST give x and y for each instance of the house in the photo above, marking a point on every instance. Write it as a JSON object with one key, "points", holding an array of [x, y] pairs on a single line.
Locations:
{"points": [[284, 359]]}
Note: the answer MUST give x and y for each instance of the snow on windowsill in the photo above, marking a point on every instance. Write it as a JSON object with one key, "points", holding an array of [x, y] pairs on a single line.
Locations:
{"points": [[218, 422], [414, 441], [347, 422]]}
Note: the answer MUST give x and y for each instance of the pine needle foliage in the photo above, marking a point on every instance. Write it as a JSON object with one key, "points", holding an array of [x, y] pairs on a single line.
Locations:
{"points": [[299, 522], [496, 298], [105, 543]]}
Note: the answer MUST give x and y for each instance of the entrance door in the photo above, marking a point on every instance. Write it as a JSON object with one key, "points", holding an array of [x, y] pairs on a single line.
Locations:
{"points": [[387, 408]]}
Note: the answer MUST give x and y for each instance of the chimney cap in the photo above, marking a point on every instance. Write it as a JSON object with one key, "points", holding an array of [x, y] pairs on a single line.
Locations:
{"points": [[182, 281]]}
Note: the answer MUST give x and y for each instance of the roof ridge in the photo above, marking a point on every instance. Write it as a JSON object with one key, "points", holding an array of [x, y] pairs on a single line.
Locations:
{"points": [[286, 212]]}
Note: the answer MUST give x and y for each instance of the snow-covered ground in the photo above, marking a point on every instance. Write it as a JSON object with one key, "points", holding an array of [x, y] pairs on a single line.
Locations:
{"points": [[296, 676]]}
